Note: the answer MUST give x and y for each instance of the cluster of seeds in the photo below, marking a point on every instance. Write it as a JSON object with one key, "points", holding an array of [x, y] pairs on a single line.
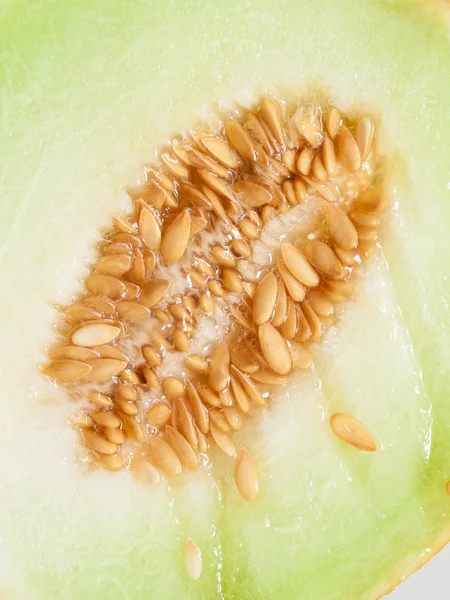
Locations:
{"points": [[181, 259]]}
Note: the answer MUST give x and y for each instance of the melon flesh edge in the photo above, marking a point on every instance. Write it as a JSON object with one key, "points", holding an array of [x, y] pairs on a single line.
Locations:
{"points": [[88, 91]]}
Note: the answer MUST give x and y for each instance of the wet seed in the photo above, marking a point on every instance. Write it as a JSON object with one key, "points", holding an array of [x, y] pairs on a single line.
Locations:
{"points": [[223, 256], [105, 419], [220, 367], [223, 441], [115, 436], [271, 116], [115, 265], [173, 387], [318, 169], [265, 298], [192, 560], [279, 313], [240, 248], [100, 399], [126, 406], [96, 442], [185, 452], [364, 136], [158, 414], [219, 420], [252, 193], [351, 431], [232, 281], [67, 370], [249, 229], [274, 349], [196, 363], [103, 369], [153, 291], [240, 396], [246, 476], [341, 229], [118, 248], [239, 139], [348, 151], [101, 303], [164, 457], [180, 341], [288, 328], [112, 462], [293, 286], [149, 229], [304, 161], [151, 356], [333, 122], [137, 273], [298, 265], [132, 311], [323, 258], [301, 357], [313, 320], [175, 238], [72, 352], [250, 388], [234, 417], [106, 285]]}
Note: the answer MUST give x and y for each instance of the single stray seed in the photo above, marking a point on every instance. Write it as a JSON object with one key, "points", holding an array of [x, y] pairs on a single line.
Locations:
{"points": [[246, 476], [349, 430], [192, 560]]}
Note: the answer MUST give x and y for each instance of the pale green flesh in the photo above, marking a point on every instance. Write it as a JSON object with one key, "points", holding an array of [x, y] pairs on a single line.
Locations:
{"points": [[90, 90]]}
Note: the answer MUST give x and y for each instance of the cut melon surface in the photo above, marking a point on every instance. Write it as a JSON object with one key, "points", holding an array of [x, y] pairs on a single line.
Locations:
{"points": [[89, 92]]}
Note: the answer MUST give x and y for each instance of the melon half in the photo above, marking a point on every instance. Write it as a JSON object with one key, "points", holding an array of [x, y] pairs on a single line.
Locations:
{"points": [[89, 91]]}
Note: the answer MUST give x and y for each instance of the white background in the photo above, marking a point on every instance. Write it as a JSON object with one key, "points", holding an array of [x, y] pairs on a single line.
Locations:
{"points": [[431, 582]]}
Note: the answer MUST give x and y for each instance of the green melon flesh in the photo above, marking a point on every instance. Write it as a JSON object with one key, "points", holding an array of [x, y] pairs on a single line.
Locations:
{"points": [[88, 91]]}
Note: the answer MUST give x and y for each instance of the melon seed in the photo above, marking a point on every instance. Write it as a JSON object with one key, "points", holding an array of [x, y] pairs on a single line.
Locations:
{"points": [[176, 237], [164, 457], [67, 370], [192, 560], [264, 299], [246, 476], [274, 349], [351, 431]]}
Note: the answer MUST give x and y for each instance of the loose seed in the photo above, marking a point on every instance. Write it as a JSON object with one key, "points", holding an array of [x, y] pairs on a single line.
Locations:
{"points": [[173, 387], [96, 442], [333, 122], [112, 462], [267, 213], [241, 358], [293, 286], [158, 414], [367, 233], [216, 203], [337, 291], [298, 265], [206, 302], [348, 151], [265, 299], [149, 376], [240, 248], [249, 288], [318, 169], [232, 281], [94, 335], [288, 328], [371, 200], [179, 312], [180, 341], [342, 230], [226, 397], [314, 322], [126, 406], [243, 316], [192, 560], [196, 363], [252, 193], [323, 258], [239, 139], [106, 285], [185, 452], [123, 225], [234, 417], [209, 397], [115, 265], [132, 427], [246, 476], [131, 377], [78, 312], [105, 419], [269, 377], [280, 304], [164, 457], [347, 257], [149, 229], [289, 158], [153, 291], [257, 131], [351, 431], [103, 369], [289, 191], [219, 420], [132, 311], [73, 352], [116, 436], [81, 420], [132, 290], [301, 357], [304, 332], [198, 223], [220, 367], [205, 266], [175, 166], [204, 161], [274, 349], [249, 229], [310, 127], [216, 288], [300, 190], [223, 256], [217, 184], [176, 237], [325, 191], [67, 370]]}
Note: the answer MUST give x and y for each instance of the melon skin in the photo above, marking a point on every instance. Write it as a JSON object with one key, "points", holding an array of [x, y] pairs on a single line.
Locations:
{"points": [[88, 93]]}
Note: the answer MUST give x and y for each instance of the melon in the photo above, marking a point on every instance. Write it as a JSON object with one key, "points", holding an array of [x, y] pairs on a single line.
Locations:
{"points": [[335, 483]]}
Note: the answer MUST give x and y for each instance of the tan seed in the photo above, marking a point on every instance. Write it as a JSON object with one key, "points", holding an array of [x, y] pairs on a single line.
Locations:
{"points": [[289, 159], [364, 136], [185, 452], [175, 238], [240, 248], [67, 370], [252, 193], [137, 273], [347, 257], [115, 265], [198, 223], [232, 281], [101, 303], [185, 422], [116, 436], [199, 411], [149, 229], [173, 387], [310, 127], [73, 352], [313, 320], [112, 462], [301, 357], [249, 229], [220, 367], [223, 256], [218, 185], [243, 316], [209, 397], [221, 151], [269, 377], [81, 420], [106, 351], [179, 311], [257, 131], [324, 190], [351, 431], [164, 457], [293, 286], [239, 139], [268, 213], [250, 388], [132, 427], [196, 363], [300, 190], [78, 312], [132, 290], [274, 349], [106, 285], [206, 302], [367, 233], [123, 225], [333, 122], [216, 203], [177, 168], [348, 151], [329, 157], [342, 231], [223, 441], [96, 442], [271, 115], [240, 396], [118, 248], [363, 219], [128, 238], [127, 391], [304, 161], [132, 311], [131, 377], [216, 288], [153, 291], [318, 169], [323, 258], [204, 161], [226, 397], [371, 200], [265, 298], [219, 420], [289, 191], [94, 335], [288, 328], [100, 399], [149, 376], [103, 369], [105, 419], [158, 414], [249, 288], [243, 360], [279, 313], [246, 476], [205, 266], [192, 560], [163, 316], [304, 332], [298, 265], [337, 291], [320, 304], [234, 417], [180, 341]]}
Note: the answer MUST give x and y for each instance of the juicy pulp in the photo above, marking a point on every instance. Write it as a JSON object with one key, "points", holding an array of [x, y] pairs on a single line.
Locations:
{"points": [[89, 92]]}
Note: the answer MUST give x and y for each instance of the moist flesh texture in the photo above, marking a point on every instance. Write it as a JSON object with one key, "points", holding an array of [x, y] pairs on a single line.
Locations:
{"points": [[89, 93]]}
